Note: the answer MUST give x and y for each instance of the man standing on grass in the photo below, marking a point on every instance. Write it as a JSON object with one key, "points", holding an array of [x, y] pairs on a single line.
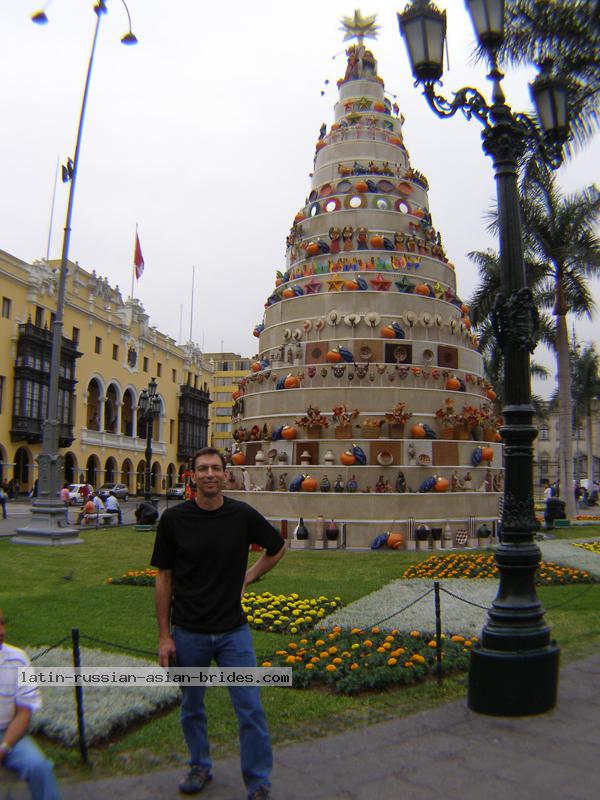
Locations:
{"points": [[18, 751], [201, 552]]}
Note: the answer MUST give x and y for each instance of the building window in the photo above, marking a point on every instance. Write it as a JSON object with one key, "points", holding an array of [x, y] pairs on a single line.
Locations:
{"points": [[115, 352], [145, 363], [75, 336], [98, 345], [223, 412], [158, 369], [6, 304], [171, 430], [544, 433], [223, 396], [1, 391], [39, 316], [222, 426], [174, 375]]}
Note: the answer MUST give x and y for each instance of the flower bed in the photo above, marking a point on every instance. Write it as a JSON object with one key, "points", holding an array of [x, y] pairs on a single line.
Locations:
{"points": [[464, 565], [593, 547], [286, 613], [143, 577], [353, 660]]}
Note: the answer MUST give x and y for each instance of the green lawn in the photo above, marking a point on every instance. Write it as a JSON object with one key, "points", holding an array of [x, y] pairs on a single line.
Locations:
{"points": [[47, 591]]}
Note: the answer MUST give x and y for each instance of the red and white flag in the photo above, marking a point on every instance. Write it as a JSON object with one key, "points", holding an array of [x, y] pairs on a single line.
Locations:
{"points": [[138, 258]]}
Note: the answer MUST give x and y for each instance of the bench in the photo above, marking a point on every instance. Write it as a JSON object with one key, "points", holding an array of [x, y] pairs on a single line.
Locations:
{"points": [[145, 527], [101, 518]]}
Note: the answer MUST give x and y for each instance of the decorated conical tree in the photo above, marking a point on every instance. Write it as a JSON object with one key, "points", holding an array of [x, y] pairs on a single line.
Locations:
{"points": [[366, 402]]}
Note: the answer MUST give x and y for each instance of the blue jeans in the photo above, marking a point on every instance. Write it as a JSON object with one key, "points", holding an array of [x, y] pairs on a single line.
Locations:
{"points": [[32, 765], [231, 649]]}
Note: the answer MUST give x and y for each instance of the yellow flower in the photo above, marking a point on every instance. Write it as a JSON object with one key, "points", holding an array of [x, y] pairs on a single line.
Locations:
{"points": [[319, 642], [336, 661], [415, 634], [266, 664], [333, 650], [375, 630], [354, 666], [330, 668], [368, 643], [309, 666], [290, 659], [392, 662], [292, 645]]}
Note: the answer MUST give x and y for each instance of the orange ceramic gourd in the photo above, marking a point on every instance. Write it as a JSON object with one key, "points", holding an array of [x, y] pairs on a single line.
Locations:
{"points": [[238, 458], [321, 144], [361, 186], [395, 541], [312, 249], [289, 432], [497, 437], [453, 384], [490, 394], [291, 382], [377, 242], [377, 106], [351, 286], [387, 332], [256, 367], [300, 216], [417, 432], [288, 293], [464, 309], [334, 357], [442, 485], [487, 453], [467, 323], [309, 484], [235, 395], [422, 289], [347, 458]]}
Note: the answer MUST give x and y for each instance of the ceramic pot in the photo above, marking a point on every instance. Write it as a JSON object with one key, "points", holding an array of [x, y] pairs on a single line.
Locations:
{"points": [[343, 431], [396, 430]]}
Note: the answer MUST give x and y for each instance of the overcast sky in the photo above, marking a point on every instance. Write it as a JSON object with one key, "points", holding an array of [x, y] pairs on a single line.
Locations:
{"points": [[204, 135]]}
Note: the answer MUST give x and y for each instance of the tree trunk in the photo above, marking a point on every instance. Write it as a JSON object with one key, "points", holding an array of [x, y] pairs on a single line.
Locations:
{"points": [[565, 416]]}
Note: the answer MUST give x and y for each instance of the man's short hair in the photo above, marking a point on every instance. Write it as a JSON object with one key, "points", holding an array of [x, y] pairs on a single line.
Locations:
{"points": [[208, 451]]}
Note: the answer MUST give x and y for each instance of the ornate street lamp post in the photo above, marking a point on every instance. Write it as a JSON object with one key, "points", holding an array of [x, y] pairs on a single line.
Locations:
{"points": [[149, 404], [50, 522], [514, 670]]}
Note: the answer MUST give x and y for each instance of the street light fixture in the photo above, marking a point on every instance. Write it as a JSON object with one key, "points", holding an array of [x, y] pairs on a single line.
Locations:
{"points": [[50, 524], [514, 670], [149, 405]]}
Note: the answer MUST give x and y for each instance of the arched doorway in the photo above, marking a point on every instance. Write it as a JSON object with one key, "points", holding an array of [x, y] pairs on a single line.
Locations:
{"points": [[127, 413], [155, 478], [171, 475], [92, 471], [127, 474], [110, 471], [3, 465], [94, 393], [110, 409], [23, 468], [140, 473], [70, 468]]}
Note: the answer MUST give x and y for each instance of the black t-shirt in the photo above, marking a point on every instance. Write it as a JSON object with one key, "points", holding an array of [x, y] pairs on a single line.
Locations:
{"points": [[208, 554]]}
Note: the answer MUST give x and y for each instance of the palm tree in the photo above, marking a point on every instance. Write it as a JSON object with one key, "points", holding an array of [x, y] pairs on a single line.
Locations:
{"points": [[585, 382], [565, 33], [559, 239]]}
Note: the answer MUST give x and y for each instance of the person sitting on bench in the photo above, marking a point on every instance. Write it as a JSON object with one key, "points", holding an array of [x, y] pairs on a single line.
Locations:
{"points": [[113, 507], [18, 751]]}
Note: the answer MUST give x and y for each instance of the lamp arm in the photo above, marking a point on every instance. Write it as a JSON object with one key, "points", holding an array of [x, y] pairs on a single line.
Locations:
{"points": [[551, 149], [467, 100]]}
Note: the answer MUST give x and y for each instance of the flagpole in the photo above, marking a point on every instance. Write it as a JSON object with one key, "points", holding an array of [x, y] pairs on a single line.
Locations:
{"points": [[192, 306], [133, 265]]}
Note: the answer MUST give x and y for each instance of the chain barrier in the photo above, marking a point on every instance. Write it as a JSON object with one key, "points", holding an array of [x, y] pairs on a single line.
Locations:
{"points": [[401, 610], [119, 646], [570, 600], [48, 649], [463, 600]]}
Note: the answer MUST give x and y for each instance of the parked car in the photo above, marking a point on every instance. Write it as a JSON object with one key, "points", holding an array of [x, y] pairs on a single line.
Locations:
{"points": [[177, 490], [75, 495], [120, 491]]}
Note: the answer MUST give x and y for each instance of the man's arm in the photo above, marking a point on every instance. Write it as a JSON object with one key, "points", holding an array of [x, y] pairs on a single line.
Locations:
{"points": [[162, 602], [18, 727], [262, 566]]}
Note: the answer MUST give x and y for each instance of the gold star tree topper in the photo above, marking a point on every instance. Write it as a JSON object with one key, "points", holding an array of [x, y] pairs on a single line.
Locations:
{"points": [[359, 27]]}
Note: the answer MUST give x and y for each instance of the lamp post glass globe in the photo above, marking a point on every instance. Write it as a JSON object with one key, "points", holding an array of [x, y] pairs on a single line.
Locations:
{"points": [[423, 28], [487, 17]]}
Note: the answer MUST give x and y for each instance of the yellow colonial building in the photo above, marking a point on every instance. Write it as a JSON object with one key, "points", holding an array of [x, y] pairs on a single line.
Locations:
{"points": [[229, 369], [109, 355]]}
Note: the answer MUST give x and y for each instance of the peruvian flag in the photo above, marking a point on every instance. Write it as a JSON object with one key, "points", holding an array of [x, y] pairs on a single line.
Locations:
{"points": [[138, 258]]}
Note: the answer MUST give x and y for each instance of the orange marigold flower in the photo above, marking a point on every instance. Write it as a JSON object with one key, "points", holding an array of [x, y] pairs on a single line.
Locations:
{"points": [[331, 668], [392, 662]]}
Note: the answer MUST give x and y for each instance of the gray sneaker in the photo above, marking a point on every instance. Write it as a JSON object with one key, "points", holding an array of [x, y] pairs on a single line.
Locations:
{"points": [[262, 792], [196, 780]]}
